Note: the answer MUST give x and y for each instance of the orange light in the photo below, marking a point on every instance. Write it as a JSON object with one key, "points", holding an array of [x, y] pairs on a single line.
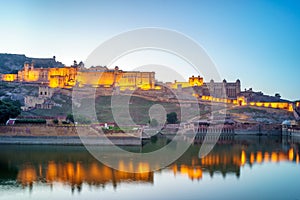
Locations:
{"points": [[252, 158], [266, 157], [27, 175], [291, 154], [243, 158], [274, 157], [143, 167], [259, 157]]}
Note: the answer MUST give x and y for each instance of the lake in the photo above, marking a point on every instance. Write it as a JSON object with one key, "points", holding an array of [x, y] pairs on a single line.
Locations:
{"points": [[239, 167]]}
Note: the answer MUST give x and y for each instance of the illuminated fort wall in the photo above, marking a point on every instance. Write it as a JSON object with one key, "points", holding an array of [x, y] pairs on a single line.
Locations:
{"points": [[9, 77], [242, 102], [67, 77], [62, 77], [193, 81]]}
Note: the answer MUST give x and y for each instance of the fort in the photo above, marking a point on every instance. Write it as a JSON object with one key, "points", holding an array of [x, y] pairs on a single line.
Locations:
{"points": [[143, 83], [68, 77]]}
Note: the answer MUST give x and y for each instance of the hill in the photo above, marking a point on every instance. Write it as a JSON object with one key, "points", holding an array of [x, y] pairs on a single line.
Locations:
{"points": [[11, 63]]}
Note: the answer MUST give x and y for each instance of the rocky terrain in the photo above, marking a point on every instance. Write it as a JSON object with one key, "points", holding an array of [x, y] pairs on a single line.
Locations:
{"points": [[11, 63]]}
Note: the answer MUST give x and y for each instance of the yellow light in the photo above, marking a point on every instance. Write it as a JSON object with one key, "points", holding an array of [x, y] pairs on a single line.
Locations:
{"points": [[290, 108], [259, 157], [291, 154], [274, 157], [9, 77], [243, 158]]}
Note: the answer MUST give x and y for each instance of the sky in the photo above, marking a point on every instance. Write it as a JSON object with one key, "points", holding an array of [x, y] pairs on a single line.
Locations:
{"points": [[255, 41]]}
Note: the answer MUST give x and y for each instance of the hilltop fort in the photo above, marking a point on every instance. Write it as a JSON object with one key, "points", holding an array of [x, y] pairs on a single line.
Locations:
{"points": [[144, 83]]}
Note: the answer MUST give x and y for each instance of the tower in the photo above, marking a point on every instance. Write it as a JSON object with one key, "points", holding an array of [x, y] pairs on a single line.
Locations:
{"points": [[26, 66], [32, 65], [238, 86]]}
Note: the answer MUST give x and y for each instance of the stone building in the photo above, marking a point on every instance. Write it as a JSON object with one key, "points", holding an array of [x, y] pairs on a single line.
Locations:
{"points": [[42, 101], [224, 89], [68, 77]]}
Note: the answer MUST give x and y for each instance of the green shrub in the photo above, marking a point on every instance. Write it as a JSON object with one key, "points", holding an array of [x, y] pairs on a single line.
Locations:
{"points": [[30, 121]]}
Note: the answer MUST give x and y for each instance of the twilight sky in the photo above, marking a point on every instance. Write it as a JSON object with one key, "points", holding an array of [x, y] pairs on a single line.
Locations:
{"points": [[256, 41]]}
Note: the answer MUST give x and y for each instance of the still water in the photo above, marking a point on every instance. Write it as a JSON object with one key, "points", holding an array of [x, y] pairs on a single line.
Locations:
{"points": [[252, 167]]}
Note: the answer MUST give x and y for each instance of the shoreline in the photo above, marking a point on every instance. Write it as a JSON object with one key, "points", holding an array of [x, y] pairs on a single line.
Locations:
{"points": [[70, 140]]}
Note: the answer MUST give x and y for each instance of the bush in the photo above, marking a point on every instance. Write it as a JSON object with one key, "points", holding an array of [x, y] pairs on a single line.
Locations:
{"points": [[172, 118], [55, 121], [30, 121], [70, 118]]}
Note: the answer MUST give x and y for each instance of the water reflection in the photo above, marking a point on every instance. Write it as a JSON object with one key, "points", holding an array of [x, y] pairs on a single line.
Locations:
{"points": [[75, 174], [27, 166]]}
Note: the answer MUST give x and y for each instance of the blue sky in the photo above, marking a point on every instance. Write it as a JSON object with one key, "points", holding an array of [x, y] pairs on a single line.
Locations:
{"points": [[255, 41]]}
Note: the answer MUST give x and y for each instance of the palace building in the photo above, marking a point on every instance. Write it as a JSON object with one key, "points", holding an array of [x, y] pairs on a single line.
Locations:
{"points": [[67, 77]]}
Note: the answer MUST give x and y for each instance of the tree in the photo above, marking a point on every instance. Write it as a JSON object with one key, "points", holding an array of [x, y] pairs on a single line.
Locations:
{"points": [[55, 121], [70, 118], [9, 109], [172, 118]]}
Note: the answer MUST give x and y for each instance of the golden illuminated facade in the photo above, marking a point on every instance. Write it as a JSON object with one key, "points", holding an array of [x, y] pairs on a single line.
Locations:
{"points": [[116, 78], [9, 77], [67, 77], [195, 81]]}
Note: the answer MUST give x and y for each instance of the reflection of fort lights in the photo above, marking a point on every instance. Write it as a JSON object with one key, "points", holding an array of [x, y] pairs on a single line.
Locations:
{"points": [[282, 156], [143, 167], [259, 157], [266, 157], [274, 157], [27, 175], [76, 174], [291, 154], [70, 170], [193, 173], [243, 158], [51, 171], [252, 158]]}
